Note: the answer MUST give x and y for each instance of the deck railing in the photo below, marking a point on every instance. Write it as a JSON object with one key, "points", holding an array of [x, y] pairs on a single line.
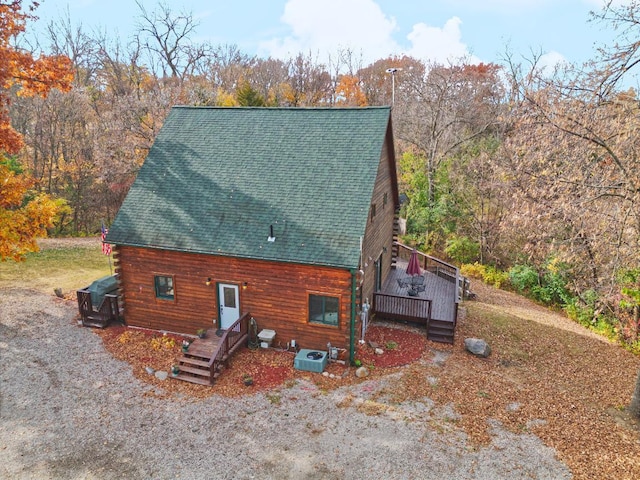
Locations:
{"points": [[402, 308], [431, 264], [108, 311], [230, 341]]}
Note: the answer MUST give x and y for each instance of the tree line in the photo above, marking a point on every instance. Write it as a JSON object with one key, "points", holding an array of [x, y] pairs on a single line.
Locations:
{"points": [[526, 174]]}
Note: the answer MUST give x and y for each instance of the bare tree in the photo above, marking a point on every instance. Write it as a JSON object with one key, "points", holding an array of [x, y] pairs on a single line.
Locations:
{"points": [[309, 82], [448, 106], [166, 38], [76, 44], [617, 61]]}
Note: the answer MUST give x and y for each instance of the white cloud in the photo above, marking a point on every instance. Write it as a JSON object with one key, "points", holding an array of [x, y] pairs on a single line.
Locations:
{"points": [[326, 26], [439, 44], [550, 60]]}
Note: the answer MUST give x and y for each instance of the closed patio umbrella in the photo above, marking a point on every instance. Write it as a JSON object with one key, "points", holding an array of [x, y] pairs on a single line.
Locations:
{"points": [[414, 264]]}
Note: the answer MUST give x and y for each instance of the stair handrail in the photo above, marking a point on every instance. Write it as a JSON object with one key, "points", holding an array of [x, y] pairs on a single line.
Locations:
{"points": [[225, 347]]}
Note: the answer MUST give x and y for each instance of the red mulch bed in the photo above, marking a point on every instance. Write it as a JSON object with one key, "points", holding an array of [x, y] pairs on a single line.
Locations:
{"points": [[400, 347], [269, 368]]}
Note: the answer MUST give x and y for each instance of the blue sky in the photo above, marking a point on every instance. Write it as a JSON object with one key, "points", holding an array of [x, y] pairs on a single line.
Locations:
{"points": [[433, 30]]}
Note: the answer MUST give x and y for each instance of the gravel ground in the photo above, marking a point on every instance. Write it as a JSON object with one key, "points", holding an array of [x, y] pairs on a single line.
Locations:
{"points": [[69, 410]]}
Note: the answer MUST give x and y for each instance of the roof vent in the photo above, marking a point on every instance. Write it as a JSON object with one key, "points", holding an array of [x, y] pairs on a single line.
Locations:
{"points": [[271, 237]]}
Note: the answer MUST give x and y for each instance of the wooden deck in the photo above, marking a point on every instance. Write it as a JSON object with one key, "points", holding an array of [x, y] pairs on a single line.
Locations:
{"points": [[436, 306], [440, 291]]}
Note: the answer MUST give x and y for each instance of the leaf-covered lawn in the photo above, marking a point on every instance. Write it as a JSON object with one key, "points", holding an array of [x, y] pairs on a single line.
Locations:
{"points": [[546, 376]]}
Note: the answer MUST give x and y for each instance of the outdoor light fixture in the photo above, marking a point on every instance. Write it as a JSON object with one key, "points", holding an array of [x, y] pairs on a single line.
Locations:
{"points": [[393, 71], [208, 282], [245, 285]]}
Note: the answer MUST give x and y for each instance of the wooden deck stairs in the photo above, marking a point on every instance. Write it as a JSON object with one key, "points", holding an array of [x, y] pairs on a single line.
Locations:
{"points": [[442, 331], [207, 357], [395, 249]]}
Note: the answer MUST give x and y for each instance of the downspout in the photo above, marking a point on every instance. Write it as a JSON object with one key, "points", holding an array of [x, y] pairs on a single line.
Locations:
{"points": [[352, 326]]}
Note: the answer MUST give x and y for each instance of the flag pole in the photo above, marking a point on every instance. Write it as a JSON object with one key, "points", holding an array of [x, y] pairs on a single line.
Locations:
{"points": [[106, 248]]}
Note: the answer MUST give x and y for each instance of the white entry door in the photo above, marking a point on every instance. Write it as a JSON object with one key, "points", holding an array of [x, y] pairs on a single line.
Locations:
{"points": [[228, 304]]}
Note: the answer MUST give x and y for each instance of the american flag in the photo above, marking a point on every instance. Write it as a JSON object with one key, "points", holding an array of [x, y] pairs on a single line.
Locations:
{"points": [[106, 248]]}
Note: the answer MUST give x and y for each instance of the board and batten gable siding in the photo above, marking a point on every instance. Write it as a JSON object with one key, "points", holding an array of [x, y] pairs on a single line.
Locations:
{"points": [[378, 239], [276, 294]]}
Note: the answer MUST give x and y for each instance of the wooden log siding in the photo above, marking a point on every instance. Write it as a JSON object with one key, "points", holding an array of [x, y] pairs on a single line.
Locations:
{"points": [[277, 294], [378, 239]]}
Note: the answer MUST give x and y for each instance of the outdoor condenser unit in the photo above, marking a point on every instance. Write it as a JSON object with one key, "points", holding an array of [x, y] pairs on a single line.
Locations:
{"points": [[310, 360]]}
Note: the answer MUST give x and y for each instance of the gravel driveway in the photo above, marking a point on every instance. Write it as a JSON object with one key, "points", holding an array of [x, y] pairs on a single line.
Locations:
{"points": [[69, 410]]}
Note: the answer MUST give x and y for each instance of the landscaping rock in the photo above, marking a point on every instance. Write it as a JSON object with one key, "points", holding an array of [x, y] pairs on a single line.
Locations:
{"points": [[378, 351], [362, 372], [160, 375], [477, 346], [513, 407], [149, 370]]}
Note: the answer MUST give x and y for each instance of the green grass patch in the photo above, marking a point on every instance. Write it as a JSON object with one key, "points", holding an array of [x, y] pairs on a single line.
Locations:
{"points": [[500, 328], [68, 268]]}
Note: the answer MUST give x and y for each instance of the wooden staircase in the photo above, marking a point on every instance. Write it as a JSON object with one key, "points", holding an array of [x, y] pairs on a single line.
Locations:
{"points": [[441, 331], [207, 357], [395, 248], [194, 366]]}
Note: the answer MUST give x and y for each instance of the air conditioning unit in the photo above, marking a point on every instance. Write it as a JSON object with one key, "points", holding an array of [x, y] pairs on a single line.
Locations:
{"points": [[310, 360]]}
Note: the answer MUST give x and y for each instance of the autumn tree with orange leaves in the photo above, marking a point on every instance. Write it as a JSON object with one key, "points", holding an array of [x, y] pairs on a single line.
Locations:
{"points": [[24, 214]]}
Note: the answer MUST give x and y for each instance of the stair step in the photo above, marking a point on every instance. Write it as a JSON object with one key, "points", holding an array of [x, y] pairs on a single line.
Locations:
{"points": [[195, 371], [440, 338], [190, 379], [193, 361], [441, 324], [440, 331]]}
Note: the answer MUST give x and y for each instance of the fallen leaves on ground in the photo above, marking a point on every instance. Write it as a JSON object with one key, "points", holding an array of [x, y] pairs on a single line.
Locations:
{"points": [[545, 376], [399, 347], [268, 368]]}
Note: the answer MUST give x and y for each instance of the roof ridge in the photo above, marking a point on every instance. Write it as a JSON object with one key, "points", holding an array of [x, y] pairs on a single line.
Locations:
{"points": [[217, 107]]}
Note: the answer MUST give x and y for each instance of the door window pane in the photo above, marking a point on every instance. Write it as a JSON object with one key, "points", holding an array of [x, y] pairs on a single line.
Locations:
{"points": [[230, 297]]}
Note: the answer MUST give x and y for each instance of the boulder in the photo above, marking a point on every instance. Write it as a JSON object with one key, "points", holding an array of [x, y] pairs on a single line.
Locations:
{"points": [[477, 346], [378, 351], [362, 372]]}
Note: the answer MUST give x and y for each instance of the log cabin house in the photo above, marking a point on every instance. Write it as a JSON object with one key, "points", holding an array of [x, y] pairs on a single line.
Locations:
{"points": [[286, 213]]}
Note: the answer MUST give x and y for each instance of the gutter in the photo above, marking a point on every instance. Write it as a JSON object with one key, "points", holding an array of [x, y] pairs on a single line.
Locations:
{"points": [[352, 324]]}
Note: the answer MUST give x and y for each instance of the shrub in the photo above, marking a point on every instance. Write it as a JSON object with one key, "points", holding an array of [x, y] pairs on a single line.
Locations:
{"points": [[474, 270], [462, 249], [523, 277], [489, 275]]}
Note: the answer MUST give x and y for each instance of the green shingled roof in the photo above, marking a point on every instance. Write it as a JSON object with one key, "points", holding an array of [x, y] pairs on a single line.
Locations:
{"points": [[217, 179]]}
